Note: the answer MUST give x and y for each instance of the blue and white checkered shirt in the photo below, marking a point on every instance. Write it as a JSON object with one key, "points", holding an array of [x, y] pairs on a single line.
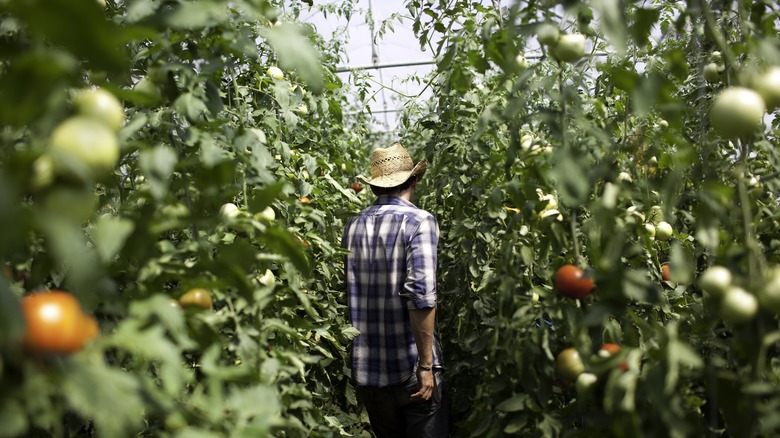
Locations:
{"points": [[390, 270]]}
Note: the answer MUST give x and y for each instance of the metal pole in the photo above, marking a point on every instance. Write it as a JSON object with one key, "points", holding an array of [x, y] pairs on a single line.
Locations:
{"points": [[346, 68]]}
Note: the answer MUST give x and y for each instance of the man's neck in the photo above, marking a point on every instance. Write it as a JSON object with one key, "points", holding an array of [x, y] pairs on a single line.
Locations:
{"points": [[407, 194]]}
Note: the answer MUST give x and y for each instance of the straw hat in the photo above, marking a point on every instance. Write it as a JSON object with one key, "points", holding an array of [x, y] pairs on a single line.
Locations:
{"points": [[391, 167]]}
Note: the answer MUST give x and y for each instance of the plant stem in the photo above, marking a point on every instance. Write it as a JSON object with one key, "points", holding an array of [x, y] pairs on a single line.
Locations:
{"points": [[565, 145], [576, 241], [754, 268]]}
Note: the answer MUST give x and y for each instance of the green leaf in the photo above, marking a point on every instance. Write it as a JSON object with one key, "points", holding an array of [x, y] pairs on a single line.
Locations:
{"points": [[260, 402], [78, 26], [513, 404], [11, 319], [108, 396], [262, 198], [295, 52], [572, 180], [283, 242], [643, 22], [153, 344], [157, 165], [210, 152], [137, 10], [13, 419], [196, 14], [191, 107], [109, 236], [612, 22]]}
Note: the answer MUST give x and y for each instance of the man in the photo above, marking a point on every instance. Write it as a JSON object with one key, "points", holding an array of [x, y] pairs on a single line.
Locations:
{"points": [[391, 286]]}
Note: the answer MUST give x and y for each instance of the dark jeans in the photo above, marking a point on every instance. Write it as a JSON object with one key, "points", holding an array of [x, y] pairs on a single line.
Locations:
{"points": [[394, 415]]}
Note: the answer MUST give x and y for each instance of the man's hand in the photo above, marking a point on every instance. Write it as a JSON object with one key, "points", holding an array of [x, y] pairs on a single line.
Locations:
{"points": [[425, 385]]}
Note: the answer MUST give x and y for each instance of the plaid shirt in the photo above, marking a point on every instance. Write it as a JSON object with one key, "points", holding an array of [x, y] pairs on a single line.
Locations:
{"points": [[391, 269]]}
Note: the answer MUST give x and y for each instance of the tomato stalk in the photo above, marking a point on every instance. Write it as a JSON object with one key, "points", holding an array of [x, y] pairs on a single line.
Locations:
{"points": [[754, 262], [564, 144]]}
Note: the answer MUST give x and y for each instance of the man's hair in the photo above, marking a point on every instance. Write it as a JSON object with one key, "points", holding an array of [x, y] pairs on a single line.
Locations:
{"points": [[379, 191]]}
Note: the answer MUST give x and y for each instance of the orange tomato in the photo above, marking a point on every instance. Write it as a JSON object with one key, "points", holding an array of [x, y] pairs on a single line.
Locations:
{"points": [[571, 282], [304, 200], [609, 350], [55, 323], [665, 272]]}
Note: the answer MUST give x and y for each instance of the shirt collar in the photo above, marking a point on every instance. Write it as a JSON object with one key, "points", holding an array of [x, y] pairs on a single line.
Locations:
{"points": [[393, 200]]}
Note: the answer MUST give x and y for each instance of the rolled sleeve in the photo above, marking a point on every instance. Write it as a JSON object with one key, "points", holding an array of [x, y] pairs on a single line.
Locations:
{"points": [[421, 258]]}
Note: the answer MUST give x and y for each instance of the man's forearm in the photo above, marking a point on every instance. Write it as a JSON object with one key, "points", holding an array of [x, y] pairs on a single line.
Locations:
{"points": [[423, 322]]}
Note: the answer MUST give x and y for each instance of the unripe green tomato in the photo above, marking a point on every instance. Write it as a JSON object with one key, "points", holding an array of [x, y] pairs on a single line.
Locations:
{"points": [[275, 73], [547, 34], [74, 204], [84, 145], [550, 215], [656, 214], [570, 47], [769, 295], [663, 231], [650, 230], [768, 86], [737, 111], [149, 90], [569, 364], [584, 383], [268, 215], [229, 211], [716, 57], [711, 72], [100, 105], [715, 280], [551, 202], [42, 172], [520, 63], [267, 278], [302, 109], [197, 297], [738, 306]]}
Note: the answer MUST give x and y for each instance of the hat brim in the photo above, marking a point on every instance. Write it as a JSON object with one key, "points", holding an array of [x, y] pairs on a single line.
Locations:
{"points": [[397, 178]]}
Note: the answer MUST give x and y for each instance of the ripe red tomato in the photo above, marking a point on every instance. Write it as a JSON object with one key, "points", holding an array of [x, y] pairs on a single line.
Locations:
{"points": [[569, 364], [571, 282], [197, 297], [357, 187], [56, 323]]}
